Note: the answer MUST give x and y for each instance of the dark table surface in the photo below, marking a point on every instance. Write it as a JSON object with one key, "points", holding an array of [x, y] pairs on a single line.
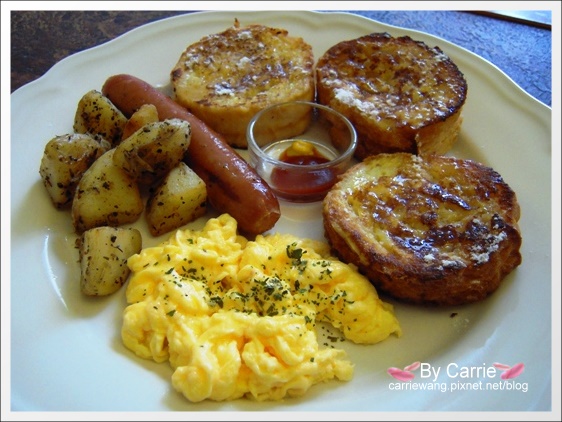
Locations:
{"points": [[39, 39]]}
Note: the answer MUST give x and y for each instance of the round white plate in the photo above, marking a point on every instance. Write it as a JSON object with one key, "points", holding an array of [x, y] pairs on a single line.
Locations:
{"points": [[66, 352]]}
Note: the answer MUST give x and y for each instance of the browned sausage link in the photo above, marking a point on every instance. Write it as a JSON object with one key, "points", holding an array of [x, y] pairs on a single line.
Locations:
{"points": [[233, 185], [223, 196]]}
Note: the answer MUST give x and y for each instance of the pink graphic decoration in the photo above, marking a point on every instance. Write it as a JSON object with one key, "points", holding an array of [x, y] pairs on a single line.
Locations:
{"points": [[510, 372], [405, 374]]}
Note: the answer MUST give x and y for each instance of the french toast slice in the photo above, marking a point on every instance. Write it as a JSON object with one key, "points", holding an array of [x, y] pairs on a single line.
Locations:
{"points": [[226, 78], [400, 94], [435, 230]]}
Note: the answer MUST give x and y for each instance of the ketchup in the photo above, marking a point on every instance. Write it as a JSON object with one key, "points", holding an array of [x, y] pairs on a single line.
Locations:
{"points": [[295, 184]]}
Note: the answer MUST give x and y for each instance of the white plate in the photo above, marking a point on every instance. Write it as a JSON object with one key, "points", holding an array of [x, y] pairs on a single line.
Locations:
{"points": [[66, 352]]}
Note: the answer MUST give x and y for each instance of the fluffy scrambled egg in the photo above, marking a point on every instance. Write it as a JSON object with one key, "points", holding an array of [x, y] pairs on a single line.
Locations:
{"points": [[236, 318]]}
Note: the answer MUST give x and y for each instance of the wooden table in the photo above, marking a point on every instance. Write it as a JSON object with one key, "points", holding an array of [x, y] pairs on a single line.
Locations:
{"points": [[42, 38]]}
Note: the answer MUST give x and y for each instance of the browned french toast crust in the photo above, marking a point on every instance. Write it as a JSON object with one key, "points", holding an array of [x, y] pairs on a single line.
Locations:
{"points": [[393, 90], [226, 78], [434, 231]]}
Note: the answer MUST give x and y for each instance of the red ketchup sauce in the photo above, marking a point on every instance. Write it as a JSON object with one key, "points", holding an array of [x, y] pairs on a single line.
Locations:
{"points": [[297, 184]]}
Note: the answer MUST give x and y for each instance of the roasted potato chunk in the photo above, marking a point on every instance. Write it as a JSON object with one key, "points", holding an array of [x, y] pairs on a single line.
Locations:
{"points": [[97, 115], [64, 161], [103, 258], [151, 152], [105, 196], [180, 199], [147, 113]]}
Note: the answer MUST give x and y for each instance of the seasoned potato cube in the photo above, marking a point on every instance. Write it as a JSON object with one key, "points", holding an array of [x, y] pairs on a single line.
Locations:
{"points": [[151, 152], [64, 161], [147, 113], [105, 196], [180, 199], [96, 114], [103, 258]]}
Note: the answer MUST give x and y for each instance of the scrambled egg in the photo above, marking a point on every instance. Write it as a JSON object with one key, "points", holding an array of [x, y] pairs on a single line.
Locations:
{"points": [[236, 318]]}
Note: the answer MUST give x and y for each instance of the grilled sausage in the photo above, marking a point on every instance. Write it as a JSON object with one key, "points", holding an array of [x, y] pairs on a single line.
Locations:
{"points": [[233, 185]]}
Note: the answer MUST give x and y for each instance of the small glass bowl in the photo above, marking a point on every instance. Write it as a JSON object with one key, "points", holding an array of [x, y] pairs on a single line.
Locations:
{"points": [[300, 148]]}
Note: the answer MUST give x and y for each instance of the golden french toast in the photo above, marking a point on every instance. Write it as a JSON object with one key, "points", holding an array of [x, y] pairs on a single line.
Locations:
{"points": [[226, 78], [400, 94], [435, 230]]}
